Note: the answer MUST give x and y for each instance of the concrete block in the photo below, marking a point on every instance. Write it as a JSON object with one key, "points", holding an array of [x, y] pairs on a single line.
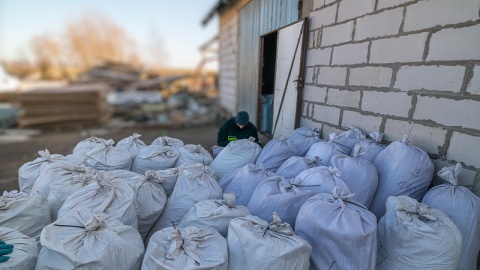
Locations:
{"points": [[455, 44], [326, 130], [327, 2], [441, 78], [318, 4], [343, 98], [371, 76], [386, 103], [311, 39], [464, 148], [391, 3], [465, 178], [382, 24], [474, 84], [326, 114], [332, 76], [323, 17], [336, 34], [401, 49], [350, 9], [366, 123], [424, 137], [307, 123], [319, 56], [350, 54], [309, 72], [314, 93], [427, 14], [448, 112]]}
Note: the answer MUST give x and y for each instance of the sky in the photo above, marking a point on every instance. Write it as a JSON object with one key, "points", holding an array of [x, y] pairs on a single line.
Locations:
{"points": [[177, 23]]}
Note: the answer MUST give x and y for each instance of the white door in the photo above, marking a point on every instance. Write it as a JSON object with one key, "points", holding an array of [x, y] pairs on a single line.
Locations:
{"points": [[287, 72]]}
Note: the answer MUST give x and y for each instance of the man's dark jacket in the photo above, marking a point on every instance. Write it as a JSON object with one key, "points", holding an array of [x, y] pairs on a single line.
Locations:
{"points": [[230, 128]]}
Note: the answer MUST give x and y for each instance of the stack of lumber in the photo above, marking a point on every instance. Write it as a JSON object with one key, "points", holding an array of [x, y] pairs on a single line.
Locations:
{"points": [[73, 105]]}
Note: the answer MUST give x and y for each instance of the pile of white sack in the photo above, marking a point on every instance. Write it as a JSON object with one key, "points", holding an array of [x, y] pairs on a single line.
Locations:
{"points": [[349, 202]]}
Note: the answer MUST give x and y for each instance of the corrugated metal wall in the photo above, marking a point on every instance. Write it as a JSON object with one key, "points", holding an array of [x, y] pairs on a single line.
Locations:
{"points": [[257, 18]]}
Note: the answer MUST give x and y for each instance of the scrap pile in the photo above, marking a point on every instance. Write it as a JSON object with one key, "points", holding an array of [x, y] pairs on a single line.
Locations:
{"points": [[82, 104]]}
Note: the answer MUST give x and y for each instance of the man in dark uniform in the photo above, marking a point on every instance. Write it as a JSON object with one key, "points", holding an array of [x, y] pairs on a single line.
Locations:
{"points": [[237, 128]]}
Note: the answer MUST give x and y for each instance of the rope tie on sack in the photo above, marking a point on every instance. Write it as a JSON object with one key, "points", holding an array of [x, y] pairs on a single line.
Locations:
{"points": [[153, 176], [45, 155], [229, 199], [334, 171], [277, 226], [340, 195], [408, 208], [358, 151], [188, 244], [377, 136], [450, 174], [317, 160]]}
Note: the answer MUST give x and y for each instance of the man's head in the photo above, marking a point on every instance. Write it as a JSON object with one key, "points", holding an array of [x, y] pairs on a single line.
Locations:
{"points": [[242, 119]]}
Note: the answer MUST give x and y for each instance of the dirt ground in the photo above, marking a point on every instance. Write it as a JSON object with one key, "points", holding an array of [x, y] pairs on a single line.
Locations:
{"points": [[14, 154]]}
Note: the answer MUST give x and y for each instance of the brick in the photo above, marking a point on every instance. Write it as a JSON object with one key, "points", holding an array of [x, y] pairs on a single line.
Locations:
{"points": [[455, 44], [386, 103], [391, 3], [353, 8], [441, 78], [309, 75], [350, 54], [336, 34], [329, 1], [326, 130], [465, 178], [382, 24], [464, 148], [307, 123], [318, 4], [323, 17], [448, 112], [427, 14], [311, 39], [371, 76], [332, 76], [402, 49], [427, 138], [314, 94], [474, 84], [367, 123], [319, 56], [343, 98], [326, 114]]}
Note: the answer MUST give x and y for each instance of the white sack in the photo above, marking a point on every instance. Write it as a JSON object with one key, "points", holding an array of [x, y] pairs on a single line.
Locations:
{"points": [[77, 159], [359, 175], [295, 165], [195, 183], [84, 146], [186, 248], [369, 149], [25, 250], [107, 157], [275, 152], [324, 150], [214, 214], [154, 157], [132, 144], [402, 169], [167, 141], [463, 207], [170, 177], [341, 231], [235, 155], [28, 215], [254, 243], [191, 154], [84, 240], [244, 181], [347, 139], [29, 172], [321, 179], [411, 235], [105, 195], [304, 138]]}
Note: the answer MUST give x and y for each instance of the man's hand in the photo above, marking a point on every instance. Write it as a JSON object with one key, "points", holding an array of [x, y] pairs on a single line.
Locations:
{"points": [[4, 250]]}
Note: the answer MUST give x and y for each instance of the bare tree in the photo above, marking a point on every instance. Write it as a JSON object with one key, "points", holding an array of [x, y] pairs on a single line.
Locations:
{"points": [[48, 54]]}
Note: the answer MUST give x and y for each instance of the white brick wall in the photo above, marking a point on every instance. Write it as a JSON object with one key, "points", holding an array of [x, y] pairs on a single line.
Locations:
{"points": [[441, 78], [371, 76], [332, 76], [455, 44], [336, 34], [319, 56], [465, 148], [381, 24], [323, 17], [326, 130], [318, 4], [391, 3], [474, 85], [366, 123], [353, 8], [343, 98], [309, 123], [427, 138], [350, 54], [402, 49], [391, 103], [426, 14], [314, 93], [448, 112], [326, 114], [309, 71]]}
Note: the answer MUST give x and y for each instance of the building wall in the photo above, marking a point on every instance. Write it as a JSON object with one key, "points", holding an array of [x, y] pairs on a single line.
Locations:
{"points": [[399, 66]]}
